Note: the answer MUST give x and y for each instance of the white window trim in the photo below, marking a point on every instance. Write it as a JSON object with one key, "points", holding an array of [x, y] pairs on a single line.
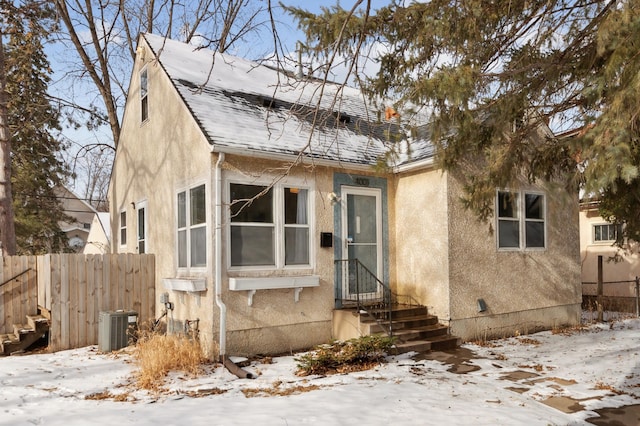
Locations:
{"points": [[120, 228], [142, 205], [522, 220], [146, 95], [278, 219], [593, 234], [192, 269]]}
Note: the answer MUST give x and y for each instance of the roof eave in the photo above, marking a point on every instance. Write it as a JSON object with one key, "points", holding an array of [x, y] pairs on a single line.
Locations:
{"points": [[302, 159], [425, 163]]}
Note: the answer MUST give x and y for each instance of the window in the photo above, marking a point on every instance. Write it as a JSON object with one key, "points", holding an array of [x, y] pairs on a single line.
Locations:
{"points": [[144, 101], [142, 228], [123, 228], [521, 220], [192, 228], [606, 232], [269, 226]]}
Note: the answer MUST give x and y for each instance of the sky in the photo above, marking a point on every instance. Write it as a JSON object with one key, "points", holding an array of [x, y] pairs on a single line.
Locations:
{"points": [[548, 378]]}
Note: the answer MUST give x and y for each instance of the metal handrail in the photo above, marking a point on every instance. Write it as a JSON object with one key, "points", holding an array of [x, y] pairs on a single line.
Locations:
{"points": [[382, 297], [15, 276]]}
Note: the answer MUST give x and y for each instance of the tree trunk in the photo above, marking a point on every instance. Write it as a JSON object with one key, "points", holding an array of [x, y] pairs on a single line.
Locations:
{"points": [[7, 223]]}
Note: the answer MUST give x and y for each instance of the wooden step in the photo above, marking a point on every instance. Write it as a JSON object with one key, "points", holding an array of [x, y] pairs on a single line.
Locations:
{"points": [[9, 343], [20, 329], [24, 335], [38, 322]]}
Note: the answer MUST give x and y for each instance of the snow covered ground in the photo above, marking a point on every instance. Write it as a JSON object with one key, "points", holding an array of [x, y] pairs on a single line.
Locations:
{"points": [[515, 381]]}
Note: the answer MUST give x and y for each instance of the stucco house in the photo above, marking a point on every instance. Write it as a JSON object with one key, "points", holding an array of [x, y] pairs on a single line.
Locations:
{"points": [[620, 265], [99, 237], [81, 215], [252, 212]]}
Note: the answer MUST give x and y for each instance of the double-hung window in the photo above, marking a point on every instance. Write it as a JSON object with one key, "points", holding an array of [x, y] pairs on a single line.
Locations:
{"points": [[521, 220], [144, 91], [269, 226], [123, 228], [142, 227], [192, 228]]}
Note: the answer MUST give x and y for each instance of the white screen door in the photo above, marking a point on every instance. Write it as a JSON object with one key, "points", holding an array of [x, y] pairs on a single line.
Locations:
{"points": [[362, 239]]}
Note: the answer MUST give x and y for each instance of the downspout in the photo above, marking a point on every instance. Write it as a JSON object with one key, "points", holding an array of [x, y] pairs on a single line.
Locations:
{"points": [[218, 260], [230, 365]]}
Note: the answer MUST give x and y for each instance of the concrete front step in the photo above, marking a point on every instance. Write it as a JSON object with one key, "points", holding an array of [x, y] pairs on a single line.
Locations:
{"points": [[401, 324], [413, 327], [399, 312], [438, 343], [419, 333]]}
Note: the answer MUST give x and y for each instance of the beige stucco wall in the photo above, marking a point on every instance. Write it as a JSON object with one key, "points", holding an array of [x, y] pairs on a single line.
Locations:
{"points": [[525, 290], [617, 264], [419, 240], [275, 323], [155, 160]]}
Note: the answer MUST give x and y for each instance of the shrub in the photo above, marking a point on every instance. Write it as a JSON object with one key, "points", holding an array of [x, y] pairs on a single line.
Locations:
{"points": [[338, 357], [158, 354]]}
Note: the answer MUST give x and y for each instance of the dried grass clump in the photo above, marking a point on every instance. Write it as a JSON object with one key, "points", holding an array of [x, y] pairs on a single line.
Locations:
{"points": [[157, 355]]}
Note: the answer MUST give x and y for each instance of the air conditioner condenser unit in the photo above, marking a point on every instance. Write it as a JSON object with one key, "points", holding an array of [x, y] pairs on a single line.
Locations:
{"points": [[116, 329]]}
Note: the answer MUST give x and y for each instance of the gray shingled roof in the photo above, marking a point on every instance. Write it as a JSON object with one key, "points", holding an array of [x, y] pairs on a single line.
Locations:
{"points": [[242, 105]]}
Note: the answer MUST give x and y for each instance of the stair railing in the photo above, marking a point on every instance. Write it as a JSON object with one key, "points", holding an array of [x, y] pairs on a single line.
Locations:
{"points": [[367, 293]]}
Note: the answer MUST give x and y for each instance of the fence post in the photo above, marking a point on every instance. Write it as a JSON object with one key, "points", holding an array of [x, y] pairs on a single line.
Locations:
{"points": [[600, 290], [637, 297]]}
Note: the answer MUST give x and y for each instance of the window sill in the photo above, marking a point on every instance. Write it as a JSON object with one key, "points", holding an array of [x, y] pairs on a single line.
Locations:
{"points": [[185, 284], [272, 283]]}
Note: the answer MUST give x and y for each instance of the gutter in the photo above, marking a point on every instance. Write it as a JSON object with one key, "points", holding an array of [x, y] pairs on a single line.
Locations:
{"points": [[415, 165], [230, 365]]}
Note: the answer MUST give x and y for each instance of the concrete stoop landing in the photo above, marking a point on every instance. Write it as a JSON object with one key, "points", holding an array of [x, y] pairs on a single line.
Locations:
{"points": [[414, 329], [24, 335]]}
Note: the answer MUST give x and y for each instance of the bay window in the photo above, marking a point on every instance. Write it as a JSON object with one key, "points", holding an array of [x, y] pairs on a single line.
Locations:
{"points": [[269, 226]]}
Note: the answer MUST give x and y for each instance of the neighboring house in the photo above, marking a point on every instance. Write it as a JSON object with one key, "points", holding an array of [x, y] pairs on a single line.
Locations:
{"points": [[99, 238], [620, 265], [199, 142], [81, 213]]}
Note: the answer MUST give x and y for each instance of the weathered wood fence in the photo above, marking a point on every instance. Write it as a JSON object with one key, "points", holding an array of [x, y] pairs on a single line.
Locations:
{"points": [[74, 289], [18, 290]]}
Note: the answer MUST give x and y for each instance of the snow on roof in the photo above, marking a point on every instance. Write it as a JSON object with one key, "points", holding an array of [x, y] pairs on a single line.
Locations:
{"points": [[243, 105]]}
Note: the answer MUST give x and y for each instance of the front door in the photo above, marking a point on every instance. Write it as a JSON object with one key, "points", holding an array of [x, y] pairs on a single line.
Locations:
{"points": [[362, 240]]}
